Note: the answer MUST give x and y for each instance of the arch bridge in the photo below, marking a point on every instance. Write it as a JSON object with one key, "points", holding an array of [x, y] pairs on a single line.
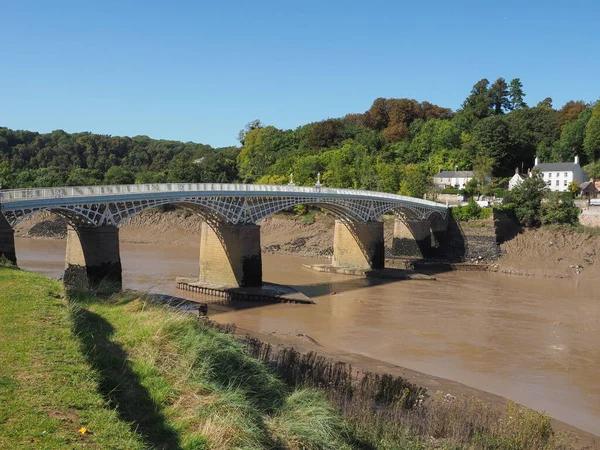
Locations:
{"points": [[230, 237]]}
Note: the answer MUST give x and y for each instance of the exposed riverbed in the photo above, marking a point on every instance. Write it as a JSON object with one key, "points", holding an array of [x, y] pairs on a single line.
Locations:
{"points": [[530, 339]]}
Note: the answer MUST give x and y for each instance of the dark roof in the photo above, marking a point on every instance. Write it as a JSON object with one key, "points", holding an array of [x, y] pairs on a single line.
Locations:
{"points": [[454, 173], [588, 185], [562, 166]]}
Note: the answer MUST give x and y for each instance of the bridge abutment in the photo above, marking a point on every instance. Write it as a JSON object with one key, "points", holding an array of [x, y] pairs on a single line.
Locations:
{"points": [[412, 238], [358, 245], [230, 255], [92, 258], [7, 240]]}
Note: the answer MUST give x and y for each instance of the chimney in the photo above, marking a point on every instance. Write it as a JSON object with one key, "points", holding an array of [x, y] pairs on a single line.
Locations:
{"points": [[537, 161], [440, 170], [456, 168], [529, 172], [576, 159], [517, 171]]}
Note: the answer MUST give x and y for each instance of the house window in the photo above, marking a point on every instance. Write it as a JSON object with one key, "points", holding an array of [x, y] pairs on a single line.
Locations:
{"points": [[557, 182], [550, 175], [565, 182], [566, 175]]}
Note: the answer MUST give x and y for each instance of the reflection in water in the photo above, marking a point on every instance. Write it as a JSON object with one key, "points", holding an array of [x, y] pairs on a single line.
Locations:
{"points": [[532, 340]]}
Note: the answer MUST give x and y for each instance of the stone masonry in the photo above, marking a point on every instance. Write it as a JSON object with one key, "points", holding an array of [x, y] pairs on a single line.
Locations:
{"points": [[230, 255], [92, 258], [7, 240], [412, 238], [358, 245]]}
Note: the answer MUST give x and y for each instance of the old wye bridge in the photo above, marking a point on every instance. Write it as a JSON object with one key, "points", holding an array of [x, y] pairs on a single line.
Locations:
{"points": [[230, 251]]}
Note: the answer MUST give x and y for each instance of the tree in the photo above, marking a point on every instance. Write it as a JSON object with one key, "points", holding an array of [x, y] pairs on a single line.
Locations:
{"points": [[591, 143], [262, 147], [118, 175], [593, 170], [516, 94], [491, 138], [482, 170], [572, 137], [574, 188], [471, 189], [546, 103], [498, 94], [254, 125], [477, 105], [559, 209], [526, 199], [416, 182], [570, 111]]}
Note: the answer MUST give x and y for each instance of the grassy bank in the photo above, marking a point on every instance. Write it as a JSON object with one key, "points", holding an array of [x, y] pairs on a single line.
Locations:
{"points": [[137, 375]]}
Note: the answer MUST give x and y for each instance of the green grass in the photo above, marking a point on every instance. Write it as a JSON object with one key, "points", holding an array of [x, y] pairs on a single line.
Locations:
{"points": [[47, 389], [138, 375]]}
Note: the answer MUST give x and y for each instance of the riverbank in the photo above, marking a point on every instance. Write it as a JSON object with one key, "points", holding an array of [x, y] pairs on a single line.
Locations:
{"points": [[545, 252], [180, 385]]}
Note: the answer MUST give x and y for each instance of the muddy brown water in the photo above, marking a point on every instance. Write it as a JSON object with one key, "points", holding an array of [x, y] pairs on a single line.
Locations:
{"points": [[533, 340]]}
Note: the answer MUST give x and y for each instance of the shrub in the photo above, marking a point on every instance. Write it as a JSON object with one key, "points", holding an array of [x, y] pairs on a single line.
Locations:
{"points": [[470, 212], [527, 199], [450, 190], [499, 193], [307, 219], [559, 209]]}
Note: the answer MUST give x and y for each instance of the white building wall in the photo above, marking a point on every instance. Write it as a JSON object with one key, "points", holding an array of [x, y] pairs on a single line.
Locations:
{"points": [[559, 181]]}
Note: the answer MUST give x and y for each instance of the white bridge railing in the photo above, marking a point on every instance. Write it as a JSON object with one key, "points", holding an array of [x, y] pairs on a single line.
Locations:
{"points": [[20, 195]]}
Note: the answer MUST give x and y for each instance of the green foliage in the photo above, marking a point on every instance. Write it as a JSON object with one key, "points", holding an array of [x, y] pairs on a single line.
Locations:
{"points": [[559, 209], [574, 188], [450, 190], [591, 143], [416, 181], [499, 97], [516, 94], [307, 219], [471, 189], [499, 193], [470, 212], [394, 146], [525, 199], [59, 158]]}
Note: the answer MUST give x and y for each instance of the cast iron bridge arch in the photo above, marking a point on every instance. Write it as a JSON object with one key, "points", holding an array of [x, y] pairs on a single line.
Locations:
{"points": [[96, 206]]}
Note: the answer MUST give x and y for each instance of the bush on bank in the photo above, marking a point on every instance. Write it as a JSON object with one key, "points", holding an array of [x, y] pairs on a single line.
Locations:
{"points": [[140, 375], [471, 211]]}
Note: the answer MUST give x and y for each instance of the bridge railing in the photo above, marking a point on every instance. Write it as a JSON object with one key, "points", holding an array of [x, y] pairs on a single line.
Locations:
{"points": [[16, 195]]}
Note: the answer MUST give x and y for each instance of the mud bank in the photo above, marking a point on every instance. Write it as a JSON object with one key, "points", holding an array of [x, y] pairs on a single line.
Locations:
{"points": [[361, 364], [542, 252]]}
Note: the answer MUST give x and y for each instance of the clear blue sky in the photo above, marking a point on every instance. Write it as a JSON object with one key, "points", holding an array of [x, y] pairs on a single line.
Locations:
{"points": [[199, 71]]}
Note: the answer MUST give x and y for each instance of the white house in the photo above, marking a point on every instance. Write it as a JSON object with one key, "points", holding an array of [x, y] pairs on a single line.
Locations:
{"points": [[558, 176], [516, 179], [452, 178]]}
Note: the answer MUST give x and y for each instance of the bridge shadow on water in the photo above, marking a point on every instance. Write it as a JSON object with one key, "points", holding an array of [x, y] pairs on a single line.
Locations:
{"points": [[119, 384]]}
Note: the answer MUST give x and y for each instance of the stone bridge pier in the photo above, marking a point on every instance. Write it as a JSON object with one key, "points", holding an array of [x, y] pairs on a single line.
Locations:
{"points": [[7, 240], [358, 245], [412, 238], [92, 258], [230, 255], [439, 234]]}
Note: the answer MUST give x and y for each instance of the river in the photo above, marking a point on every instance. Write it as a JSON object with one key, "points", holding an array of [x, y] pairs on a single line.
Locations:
{"points": [[533, 340]]}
